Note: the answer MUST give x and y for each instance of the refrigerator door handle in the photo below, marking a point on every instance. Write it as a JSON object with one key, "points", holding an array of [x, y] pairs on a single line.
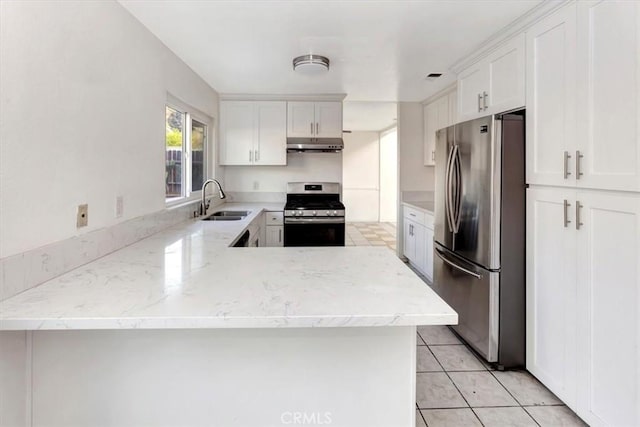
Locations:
{"points": [[456, 266], [447, 189], [455, 189]]}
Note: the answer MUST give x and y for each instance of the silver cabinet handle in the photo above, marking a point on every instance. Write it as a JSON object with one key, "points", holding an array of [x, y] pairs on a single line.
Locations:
{"points": [[578, 207], [578, 166], [317, 128], [456, 266], [479, 102], [485, 95], [256, 156], [280, 235], [311, 124], [433, 156], [250, 156], [567, 156], [566, 205]]}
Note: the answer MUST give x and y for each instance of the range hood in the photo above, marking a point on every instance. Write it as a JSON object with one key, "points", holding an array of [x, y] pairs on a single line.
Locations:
{"points": [[317, 145]]}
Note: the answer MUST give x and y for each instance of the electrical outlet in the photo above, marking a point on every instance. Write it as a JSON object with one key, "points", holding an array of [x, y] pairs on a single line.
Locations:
{"points": [[119, 206], [256, 185], [82, 219]]}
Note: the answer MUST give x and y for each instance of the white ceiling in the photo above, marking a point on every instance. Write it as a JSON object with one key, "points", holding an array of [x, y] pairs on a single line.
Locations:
{"points": [[379, 50]]}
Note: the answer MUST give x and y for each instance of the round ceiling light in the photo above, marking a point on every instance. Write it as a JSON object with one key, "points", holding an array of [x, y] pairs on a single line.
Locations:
{"points": [[311, 64]]}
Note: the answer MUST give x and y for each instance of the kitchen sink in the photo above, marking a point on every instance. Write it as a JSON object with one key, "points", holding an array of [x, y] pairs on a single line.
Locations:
{"points": [[231, 213], [227, 216], [223, 218]]}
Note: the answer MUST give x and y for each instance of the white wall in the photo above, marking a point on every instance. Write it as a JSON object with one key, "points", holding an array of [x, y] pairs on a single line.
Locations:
{"points": [[82, 94], [361, 176], [413, 174], [389, 176], [305, 167]]}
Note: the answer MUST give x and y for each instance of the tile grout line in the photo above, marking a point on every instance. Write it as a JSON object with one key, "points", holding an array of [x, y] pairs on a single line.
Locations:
{"points": [[514, 398], [454, 384]]}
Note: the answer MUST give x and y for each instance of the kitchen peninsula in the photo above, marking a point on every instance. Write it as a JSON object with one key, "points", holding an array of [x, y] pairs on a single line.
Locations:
{"points": [[181, 329]]}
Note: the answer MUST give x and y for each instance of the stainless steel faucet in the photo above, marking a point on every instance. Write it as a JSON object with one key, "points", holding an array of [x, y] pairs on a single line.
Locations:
{"points": [[204, 204]]}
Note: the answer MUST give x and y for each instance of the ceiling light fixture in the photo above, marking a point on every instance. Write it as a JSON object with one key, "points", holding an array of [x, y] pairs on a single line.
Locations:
{"points": [[311, 64]]}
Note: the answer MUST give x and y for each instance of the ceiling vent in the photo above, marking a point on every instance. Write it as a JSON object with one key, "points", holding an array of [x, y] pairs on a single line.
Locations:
{"points": [[433, 76]]}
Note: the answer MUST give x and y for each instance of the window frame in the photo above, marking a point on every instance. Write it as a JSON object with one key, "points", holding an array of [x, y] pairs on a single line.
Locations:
{"points": [[190, 114]]}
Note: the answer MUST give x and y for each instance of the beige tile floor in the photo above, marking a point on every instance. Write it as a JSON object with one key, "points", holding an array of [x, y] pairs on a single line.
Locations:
{"points": [[454, 386], [371, 234], [457, 388]]}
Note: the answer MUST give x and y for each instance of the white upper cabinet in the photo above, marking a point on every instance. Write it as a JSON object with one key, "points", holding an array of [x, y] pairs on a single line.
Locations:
{"points": [[270, 133], [430, 117], [236, 132], [436, 115], [472, 84], [328, 119], [314, 119], [551, 92], [583, 97], [608, 101], [494, 84], [300, 119], [253, 133], [453, 107]]}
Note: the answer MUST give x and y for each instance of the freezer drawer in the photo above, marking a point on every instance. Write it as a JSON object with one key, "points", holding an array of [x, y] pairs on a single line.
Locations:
{"points": [[474, 293]]}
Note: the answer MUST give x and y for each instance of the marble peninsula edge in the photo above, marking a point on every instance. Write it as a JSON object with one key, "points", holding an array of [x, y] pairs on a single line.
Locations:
{"points": [[187, 276]]}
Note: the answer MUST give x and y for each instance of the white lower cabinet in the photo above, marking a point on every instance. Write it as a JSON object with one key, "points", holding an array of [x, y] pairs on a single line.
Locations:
{"points": [[583, 299], [274, 235], [418, 240], [274, 229]]}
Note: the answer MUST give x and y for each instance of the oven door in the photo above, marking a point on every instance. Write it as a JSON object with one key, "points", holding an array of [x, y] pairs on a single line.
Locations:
{"points": [[314, 231]]}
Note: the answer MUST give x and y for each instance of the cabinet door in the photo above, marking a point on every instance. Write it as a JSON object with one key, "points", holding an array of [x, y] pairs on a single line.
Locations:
{"points": [[274, 235], [551, 290], [420, 257], [443, 112], [428, 241], [430, 117], [300, 119], [471, 83], [453, 108], [609, 94], [609, 308], [409, 240], [236, 133], [270, 133], [505, 90], [551, 95], [328, 119]]}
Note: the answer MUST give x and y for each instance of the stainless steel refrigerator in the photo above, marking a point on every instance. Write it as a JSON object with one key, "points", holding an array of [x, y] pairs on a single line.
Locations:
{"points": [[479, 262]]}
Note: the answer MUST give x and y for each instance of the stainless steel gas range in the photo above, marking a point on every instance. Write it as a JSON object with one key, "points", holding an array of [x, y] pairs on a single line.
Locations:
{"points": [[314, 215]]}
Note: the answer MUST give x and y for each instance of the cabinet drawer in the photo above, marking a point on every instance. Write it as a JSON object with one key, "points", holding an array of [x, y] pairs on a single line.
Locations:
{"points": [[414, 215], [275, 218]]}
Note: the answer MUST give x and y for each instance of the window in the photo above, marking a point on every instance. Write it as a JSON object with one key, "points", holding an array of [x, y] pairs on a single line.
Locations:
{"points": [[185, 153]]}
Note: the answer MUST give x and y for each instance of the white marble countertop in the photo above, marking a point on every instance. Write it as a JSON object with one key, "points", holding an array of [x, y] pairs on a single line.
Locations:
{"points": [[428, 207], [188, 277]]}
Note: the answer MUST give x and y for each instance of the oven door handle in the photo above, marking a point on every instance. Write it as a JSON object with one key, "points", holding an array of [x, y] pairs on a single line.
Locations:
{"points": [[314, 220]]}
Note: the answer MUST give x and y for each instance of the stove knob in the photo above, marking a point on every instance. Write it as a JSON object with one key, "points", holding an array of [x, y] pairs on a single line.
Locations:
{"points": [[314, 213], [335, 212], [328, 213], [299, 213]]}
